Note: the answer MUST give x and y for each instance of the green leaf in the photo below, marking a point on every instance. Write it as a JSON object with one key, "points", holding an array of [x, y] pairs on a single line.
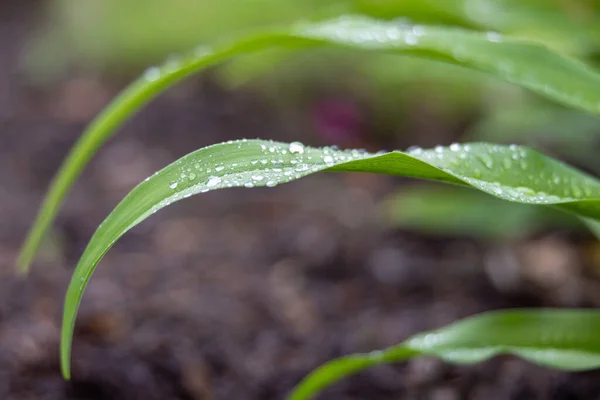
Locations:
{"points": [[121, 36], [593, 226], [508, 172], [457, 211], [531, 123], [528, 65], [568, 133], [565, 340], [569, 26]]}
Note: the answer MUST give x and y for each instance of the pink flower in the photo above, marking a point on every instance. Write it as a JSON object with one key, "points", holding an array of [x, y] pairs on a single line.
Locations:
{"points": [[338, 121]]}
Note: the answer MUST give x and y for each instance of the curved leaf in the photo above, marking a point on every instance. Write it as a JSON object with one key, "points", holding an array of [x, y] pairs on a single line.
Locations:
{"points": [[508, 172], [566, 26], [528, 65], [565, 340]]}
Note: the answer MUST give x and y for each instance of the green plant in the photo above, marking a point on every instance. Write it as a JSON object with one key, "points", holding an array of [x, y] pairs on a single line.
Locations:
{"points": [[457, 211], [512, 173]]}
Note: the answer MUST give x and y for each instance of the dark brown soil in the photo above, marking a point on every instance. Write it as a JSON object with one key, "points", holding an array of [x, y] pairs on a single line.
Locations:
{"points": [[238, 294]]}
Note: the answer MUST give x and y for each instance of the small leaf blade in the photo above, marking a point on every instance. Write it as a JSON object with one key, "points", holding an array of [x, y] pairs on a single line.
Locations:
{"points": [[250, 163], [560, 339]]}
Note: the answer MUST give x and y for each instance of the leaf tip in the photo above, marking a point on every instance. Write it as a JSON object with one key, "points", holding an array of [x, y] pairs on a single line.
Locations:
{"points": [[65, 365]]}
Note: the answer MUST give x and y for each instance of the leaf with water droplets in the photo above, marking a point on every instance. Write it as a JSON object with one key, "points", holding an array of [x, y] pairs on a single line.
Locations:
{"points": [[525, 64], [249, 163], [560, 339]]}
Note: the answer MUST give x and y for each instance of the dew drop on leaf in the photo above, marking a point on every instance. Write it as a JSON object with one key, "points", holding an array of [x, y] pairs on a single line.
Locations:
{"points": [[152, 74], [213, 181], [523, 164], [296, 148], [328, 159], [494, 37]]}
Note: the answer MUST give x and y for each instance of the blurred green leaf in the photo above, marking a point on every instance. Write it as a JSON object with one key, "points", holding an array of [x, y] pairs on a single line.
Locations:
{"points": [[560, 339], [569, 26], [457, 211], [138, 32], [571, 134], [122, 32], [510, 173], [531, 122], [528, 65]]}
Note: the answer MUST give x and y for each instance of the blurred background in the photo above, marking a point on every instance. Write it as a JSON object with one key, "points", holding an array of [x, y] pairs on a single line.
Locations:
{"points": [[238, 294]]}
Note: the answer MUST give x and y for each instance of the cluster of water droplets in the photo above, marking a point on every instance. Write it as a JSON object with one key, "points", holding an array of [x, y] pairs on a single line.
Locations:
{"points": [[366, 31], [175, 62], [250, 163], [510, 172]]}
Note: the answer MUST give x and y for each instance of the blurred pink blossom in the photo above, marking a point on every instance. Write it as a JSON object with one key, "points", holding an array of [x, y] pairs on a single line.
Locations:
{"points": [[338, 121]]}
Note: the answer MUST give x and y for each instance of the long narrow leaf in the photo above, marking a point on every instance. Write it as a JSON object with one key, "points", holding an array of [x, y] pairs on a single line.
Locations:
{"points": [[508, 172], [560, 339], [528, 65]]}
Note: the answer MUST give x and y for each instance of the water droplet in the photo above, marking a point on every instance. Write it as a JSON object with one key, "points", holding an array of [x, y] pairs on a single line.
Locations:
{"points": [[455, 147], [202, 51], [487, 161], [523, 164], [173, 63], [494, 37], [411, 39], [257, 177], [249, 185], [192, 176], [376, 354], [173, 185], [271, 183], [526, 191], [152, 74], [213, 181], [296, 147], [219, 168], [414, 150], [328, 159]]}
